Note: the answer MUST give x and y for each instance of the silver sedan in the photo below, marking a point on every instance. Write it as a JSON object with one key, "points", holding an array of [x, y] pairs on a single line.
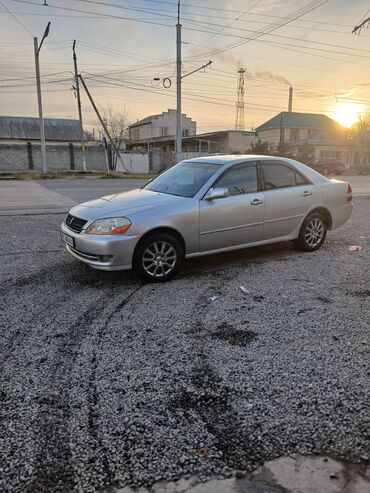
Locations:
{"points": [[203, 206]]}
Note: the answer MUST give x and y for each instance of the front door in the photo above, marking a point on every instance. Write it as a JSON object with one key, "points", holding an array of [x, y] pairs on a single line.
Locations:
{"points": [[238, 218], [288, 198]]}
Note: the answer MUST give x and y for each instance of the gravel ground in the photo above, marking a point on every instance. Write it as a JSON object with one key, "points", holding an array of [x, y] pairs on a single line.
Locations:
{"points": [[108, 381]]}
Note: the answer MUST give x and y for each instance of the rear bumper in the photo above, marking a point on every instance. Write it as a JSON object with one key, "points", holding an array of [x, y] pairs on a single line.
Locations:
{"points": [[94, 250], [341, 214]]}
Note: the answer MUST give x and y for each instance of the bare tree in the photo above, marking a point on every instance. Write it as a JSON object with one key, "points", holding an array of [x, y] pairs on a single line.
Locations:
{"points": [[360, 137], [116, 120], [362, 123]]}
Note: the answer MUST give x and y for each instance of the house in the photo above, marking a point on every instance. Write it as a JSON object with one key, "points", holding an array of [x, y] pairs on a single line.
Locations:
{"points": [[222, 141], [327, 138], [296, 128], [20, 130], [162, 125], [219, 142]]}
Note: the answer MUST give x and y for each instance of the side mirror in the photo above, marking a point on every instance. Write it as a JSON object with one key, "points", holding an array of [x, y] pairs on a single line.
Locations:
{"points": [[216, 193]]}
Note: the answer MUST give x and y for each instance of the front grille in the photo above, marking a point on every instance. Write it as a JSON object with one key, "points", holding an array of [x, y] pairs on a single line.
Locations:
{"points": [[75, 223]]}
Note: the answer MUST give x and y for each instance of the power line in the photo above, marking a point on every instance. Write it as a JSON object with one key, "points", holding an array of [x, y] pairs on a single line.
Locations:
{"points": [[17, 20], [109, 16], [273, 35], [361, 25], [230, 23], [285, 20]]}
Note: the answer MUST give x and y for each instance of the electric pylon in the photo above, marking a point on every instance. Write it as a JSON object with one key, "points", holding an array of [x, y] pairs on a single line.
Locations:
{"points": [[239, 111]]}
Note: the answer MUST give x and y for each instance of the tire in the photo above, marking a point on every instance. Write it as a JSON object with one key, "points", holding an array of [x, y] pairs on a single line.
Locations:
{"points": [[326, 171], [312, 233], [158, 257]]}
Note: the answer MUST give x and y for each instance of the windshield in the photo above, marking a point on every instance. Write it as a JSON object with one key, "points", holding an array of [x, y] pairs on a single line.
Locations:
{"points": [[185, 179]]}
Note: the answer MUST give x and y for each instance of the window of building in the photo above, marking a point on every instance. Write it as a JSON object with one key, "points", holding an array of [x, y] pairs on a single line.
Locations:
{"points": [[134, 133], [281, 176], [185, 132], [239, 179], [164, 131], [331, 154]]}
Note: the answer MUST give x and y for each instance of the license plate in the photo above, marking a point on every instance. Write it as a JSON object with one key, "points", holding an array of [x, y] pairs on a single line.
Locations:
{"points": [[68, 239]]}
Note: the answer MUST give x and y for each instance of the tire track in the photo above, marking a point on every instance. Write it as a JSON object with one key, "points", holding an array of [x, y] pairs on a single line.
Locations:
{"points": [[54, 471]]}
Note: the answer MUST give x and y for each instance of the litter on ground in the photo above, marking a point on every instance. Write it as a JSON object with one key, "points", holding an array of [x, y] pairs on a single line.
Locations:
{"points": [[244, 289], [355, 248]]}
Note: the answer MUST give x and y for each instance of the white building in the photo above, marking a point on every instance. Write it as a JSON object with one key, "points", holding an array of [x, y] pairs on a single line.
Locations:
{"points": [[162, 125]]}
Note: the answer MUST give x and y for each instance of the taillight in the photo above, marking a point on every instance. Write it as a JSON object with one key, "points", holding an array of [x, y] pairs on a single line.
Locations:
{"points": [[349, 193]]}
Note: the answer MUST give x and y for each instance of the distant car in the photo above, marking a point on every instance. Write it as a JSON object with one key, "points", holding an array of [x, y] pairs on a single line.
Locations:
{"points": [[328, 166], [203, 206]]}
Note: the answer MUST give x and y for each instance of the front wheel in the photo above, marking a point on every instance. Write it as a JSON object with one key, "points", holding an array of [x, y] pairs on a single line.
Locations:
{"points": [[158, 257], [312, 233]]}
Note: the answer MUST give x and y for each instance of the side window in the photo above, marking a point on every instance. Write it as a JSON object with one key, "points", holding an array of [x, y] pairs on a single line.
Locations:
{"points": [[239, 179], [281, 176]]}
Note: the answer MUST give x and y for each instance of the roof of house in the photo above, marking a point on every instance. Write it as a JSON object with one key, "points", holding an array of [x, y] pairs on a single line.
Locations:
{"points": [[299, 120], [27, 128], [144, 121], [150, 118]]}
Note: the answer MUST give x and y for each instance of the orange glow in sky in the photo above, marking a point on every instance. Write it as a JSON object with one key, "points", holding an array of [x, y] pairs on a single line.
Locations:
{"points": [[347, 113]]}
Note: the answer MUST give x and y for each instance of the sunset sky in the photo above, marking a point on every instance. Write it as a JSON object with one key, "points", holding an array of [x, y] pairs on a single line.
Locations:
{"points": [[122, 45]]}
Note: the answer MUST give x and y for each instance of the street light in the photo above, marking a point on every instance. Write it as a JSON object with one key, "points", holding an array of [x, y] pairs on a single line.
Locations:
{"points": [[37, 49]]}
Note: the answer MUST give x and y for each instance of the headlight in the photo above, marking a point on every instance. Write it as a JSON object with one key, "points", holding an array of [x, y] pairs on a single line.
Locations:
{"points": [[109, 226]]}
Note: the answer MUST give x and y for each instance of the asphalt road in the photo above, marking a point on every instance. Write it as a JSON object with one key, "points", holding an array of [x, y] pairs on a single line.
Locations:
{"points": [[81, 189], [59, 195], [105, 380]]}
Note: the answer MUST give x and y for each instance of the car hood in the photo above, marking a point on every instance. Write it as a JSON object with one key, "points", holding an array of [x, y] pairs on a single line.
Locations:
{"points": [[123, 204]]}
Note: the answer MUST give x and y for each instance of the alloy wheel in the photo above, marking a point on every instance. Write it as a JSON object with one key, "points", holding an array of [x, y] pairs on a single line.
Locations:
{"points": [[159, 259], [314, 233]]}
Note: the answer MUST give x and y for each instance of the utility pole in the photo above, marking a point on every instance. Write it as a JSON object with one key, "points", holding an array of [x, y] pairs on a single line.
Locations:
{"points": [[178, 86], [102, 122], [79, 106], [37, 49]]}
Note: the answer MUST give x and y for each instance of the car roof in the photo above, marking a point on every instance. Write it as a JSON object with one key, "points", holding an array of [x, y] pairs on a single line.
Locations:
{"points": [[233, 158]]}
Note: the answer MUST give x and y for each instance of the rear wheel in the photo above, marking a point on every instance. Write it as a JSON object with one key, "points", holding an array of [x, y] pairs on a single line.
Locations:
{"points": [[312, 233], [158, 257]]}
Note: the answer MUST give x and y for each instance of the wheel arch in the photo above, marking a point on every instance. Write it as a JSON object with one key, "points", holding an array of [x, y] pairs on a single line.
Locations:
{"points": [[165, 230], [325, 212]]}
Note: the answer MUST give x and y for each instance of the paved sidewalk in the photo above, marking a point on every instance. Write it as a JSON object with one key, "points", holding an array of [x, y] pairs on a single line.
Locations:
{"points": [[30, 197], [56, 196], [308, 474]]}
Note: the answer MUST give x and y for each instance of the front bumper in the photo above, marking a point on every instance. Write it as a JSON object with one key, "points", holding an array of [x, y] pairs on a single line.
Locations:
{"points": [[93, 249]]}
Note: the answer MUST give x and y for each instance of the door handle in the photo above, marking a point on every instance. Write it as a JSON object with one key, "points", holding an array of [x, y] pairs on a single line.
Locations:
{"points": [[256, 202], [306, 194]]}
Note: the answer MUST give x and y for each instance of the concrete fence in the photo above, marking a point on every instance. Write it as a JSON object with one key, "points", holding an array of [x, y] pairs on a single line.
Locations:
{"points": [[62, 157]]}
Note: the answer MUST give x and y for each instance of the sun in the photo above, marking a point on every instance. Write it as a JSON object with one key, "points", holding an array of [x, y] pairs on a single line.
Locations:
{"points": [[346, 113]]}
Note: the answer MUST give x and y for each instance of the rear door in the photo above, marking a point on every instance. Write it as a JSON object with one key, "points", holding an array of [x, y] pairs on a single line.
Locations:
{"points": [[238, 218], [288, 197]]}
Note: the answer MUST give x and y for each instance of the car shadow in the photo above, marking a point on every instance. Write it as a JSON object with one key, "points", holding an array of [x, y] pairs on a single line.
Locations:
{"points": [[277, 252]]}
